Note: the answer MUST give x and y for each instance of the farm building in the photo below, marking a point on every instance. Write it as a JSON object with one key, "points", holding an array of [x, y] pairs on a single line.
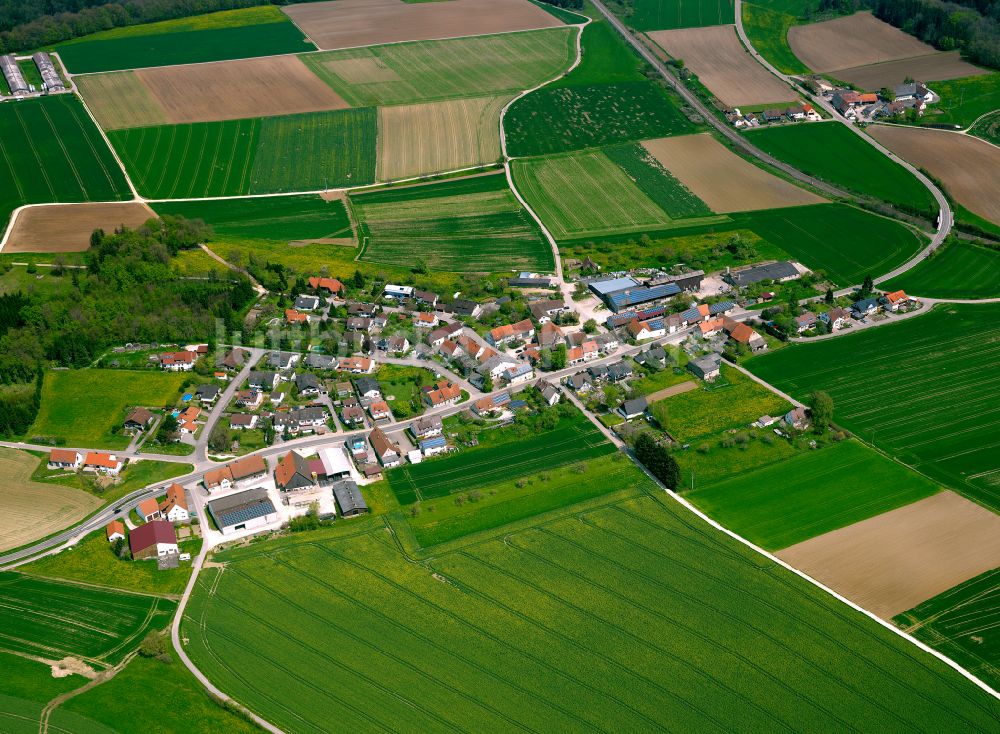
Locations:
{"points": [[243, 510], [293, 472], [432, 446], [174, 508], [707, 367], [633, 408], [51, 81], [11, 72], [65, 459], [153, 540], [336, 465], [690, 281], [230, 475], [399, 292], [778, 271], [349, 499], [620, 294]]}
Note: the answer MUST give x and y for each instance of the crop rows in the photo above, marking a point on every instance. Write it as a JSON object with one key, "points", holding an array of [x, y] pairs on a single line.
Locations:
{"points": [[960, 270], [53, 619], [572, 442], [625, 617], [657, 182], [655, 15], [924, 389]]}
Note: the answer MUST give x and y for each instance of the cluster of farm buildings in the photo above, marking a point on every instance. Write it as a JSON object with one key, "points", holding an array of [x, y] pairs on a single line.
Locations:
{"points": [[16, 83]]}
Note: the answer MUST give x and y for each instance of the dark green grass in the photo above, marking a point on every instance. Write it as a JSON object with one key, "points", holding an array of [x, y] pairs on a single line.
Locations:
{"points": [[960, 270], [962, 624], [186, 47], [988, 128], [605, 59], [258, 155], [657, 182], [574, 440], [964, 100], [831, 152], [578, 117], [924, 390], [475, 225], [280, 218], [658, 15], [53, 619], [811, 494], [50, 151], [635, 616], [767, 29]]}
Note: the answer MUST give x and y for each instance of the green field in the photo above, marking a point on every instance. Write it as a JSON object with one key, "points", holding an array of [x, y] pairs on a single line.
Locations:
{"points": [[960, 270], [924, 390], [735, 401], [964, 100], [423, 71], [605, 59], [962, 624], [53, 619], [558, 119], [831, 152], [85, 408], [279, 218], [28, 686], [811, 494], [657, 182], [634, 616], [659, 15], [467, 225], [236, 34], [582, 195], [303, 152], [766, 25], [574, 440], [988, 128], [52, 152]]}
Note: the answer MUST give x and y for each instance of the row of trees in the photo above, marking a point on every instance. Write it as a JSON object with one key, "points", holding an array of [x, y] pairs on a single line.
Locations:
{"points": [[28, 25]]}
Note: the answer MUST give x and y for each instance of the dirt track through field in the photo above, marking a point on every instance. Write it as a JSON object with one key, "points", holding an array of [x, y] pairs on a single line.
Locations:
{"points": [[723, 180], [439, 136], [672, 390], [967, 166], [67, 227], [894, 561], [349, 23], [938, 67], [716, 55], [32, 510], [854, 40]]}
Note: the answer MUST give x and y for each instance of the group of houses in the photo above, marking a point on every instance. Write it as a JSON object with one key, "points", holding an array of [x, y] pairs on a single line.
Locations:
{"points": [[866, 106], [775, 115], [155, 538]]}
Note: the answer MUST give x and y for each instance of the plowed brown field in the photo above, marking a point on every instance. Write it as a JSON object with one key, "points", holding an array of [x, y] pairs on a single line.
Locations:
{"points": [[67, 227], [893, 561], [441, 136], [854, 40], [966, 165], [716, 55], [723, 180], [937, 67], [350, 23]]}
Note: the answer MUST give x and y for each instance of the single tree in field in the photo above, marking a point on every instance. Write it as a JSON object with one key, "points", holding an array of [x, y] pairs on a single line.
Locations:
{"points": [[867, 287], [658, 460], [821, 407], [829, 296]]}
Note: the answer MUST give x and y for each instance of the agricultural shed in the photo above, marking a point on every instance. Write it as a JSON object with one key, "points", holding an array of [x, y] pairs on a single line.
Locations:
{"points": [[349, 499], [243, 510]]}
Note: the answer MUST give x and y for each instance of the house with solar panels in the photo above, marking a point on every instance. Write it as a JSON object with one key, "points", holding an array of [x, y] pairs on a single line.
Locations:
{"points": [[245, 510], [622, 294]]}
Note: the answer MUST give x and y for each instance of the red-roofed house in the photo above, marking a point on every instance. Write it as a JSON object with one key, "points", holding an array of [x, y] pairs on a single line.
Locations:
{"points": [[895, 300], [444, 393], [65, 459], [174, 507], [149, 510], [330, 285], [154, 539], [295, 317], [115, 530], [103, 463], [178, 361]]}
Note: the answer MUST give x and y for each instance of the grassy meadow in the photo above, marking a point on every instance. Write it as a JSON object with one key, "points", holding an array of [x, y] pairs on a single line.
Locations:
{"points": [[964, 100], [233, 34], [465, 225], [959, 270], [831, 152], [766, 24], [629, 615], [86, 407], [278, 218], [661, 15], [424, 71], [922, 390], [53, 619], [961, 623], [53, 152], [303, 152], [810, 494]]}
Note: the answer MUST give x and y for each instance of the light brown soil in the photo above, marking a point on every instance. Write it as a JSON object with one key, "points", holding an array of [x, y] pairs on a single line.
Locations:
{"points": [[716, 55], [72, 666], [349, 23], [938, 67], [67, 227], [894, 561], [672, 390], [966, 165], [723, 180], [33, 510], [120, 100], [854, 40], [440, 136], [231, 90]]}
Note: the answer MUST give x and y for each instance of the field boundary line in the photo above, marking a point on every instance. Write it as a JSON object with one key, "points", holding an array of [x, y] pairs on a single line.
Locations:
{"points": [[556, 260]]}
